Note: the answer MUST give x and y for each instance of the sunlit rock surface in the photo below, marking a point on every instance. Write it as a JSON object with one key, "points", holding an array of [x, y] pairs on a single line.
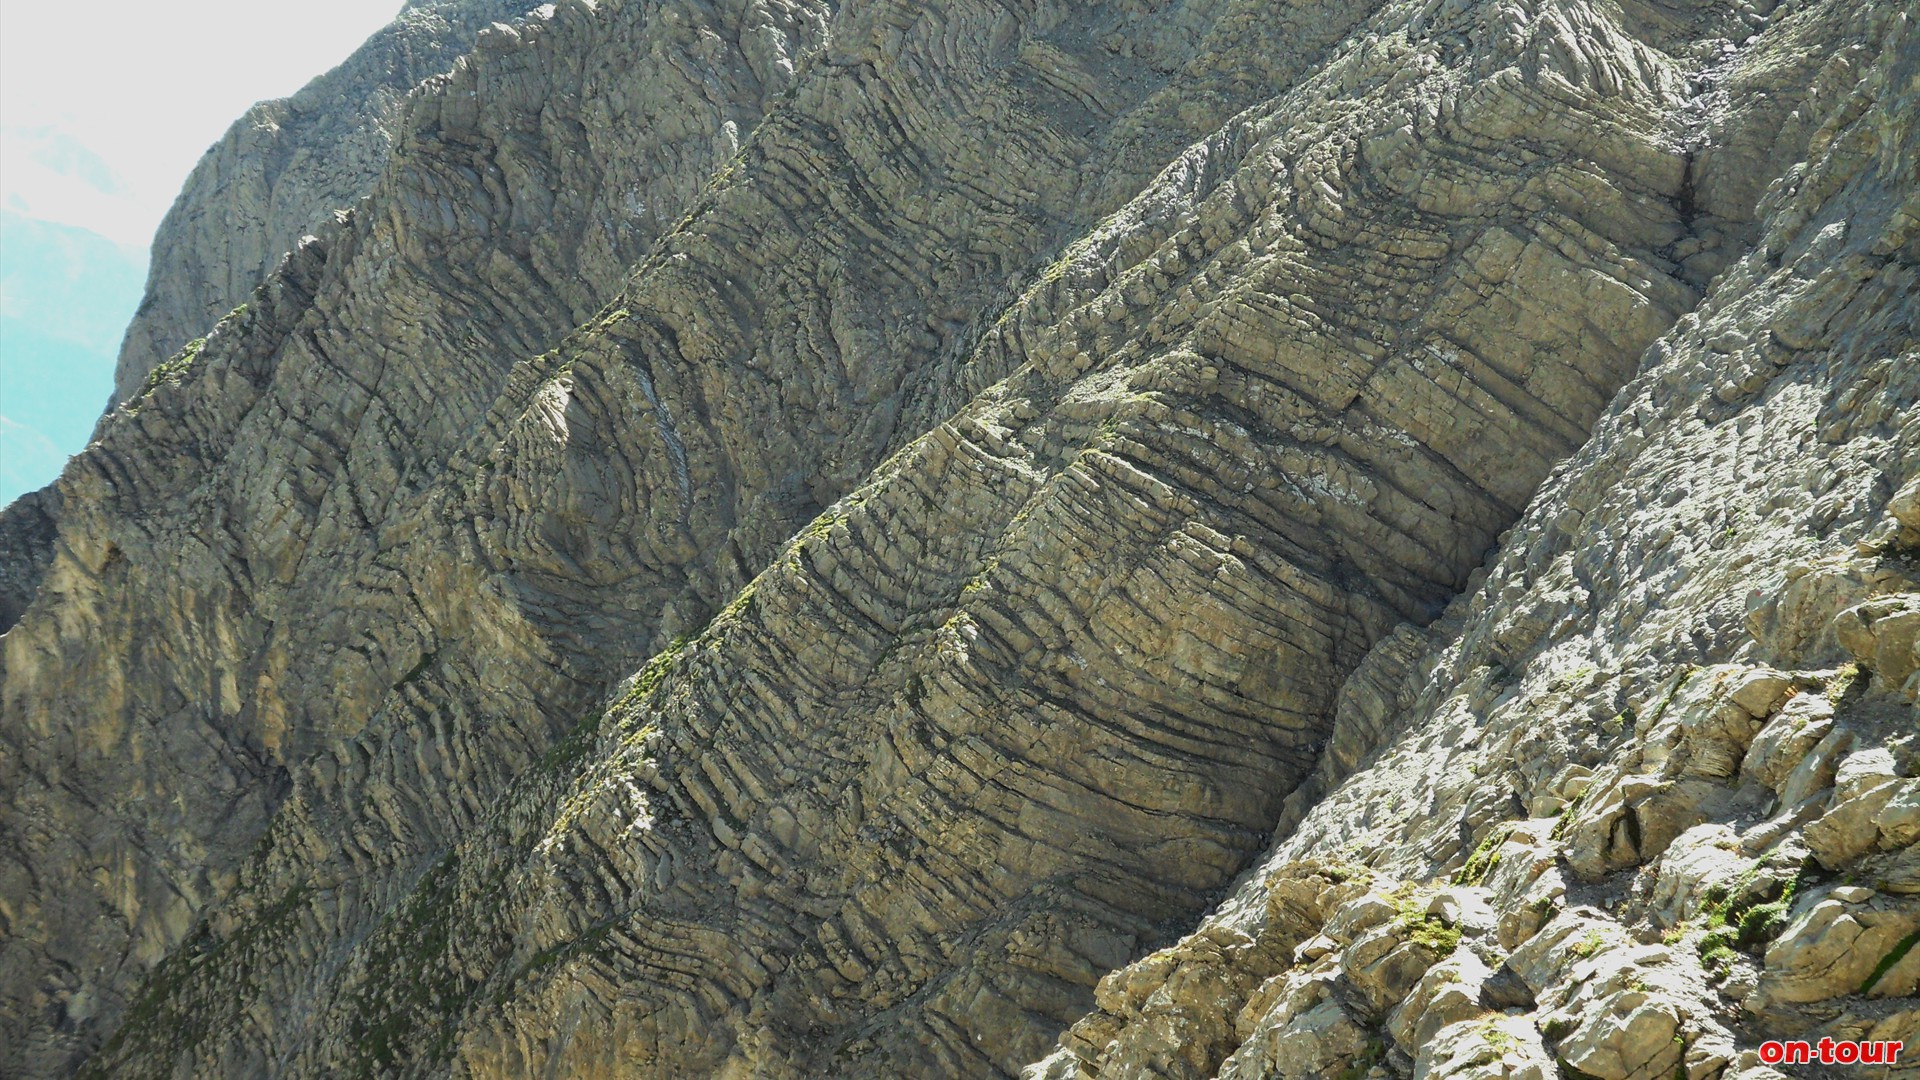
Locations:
{"points": [[1139, 539]]}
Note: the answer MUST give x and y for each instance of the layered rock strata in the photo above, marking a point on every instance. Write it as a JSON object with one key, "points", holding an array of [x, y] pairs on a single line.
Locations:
{"points": [[298, 564], [281, 170], [1648, 797], [1031, 443]]}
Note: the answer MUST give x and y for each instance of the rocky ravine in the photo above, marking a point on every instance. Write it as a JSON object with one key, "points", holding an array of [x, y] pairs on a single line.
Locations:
{"points": [[1038, 467]]}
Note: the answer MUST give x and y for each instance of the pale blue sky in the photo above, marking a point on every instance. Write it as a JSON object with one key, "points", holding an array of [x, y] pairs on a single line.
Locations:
{"points": [[104, 109]]}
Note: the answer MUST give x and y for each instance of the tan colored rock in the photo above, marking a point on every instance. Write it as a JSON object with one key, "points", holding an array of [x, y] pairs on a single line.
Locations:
{"points": [[1884, 635], [1786, 740], [1628, 1035], [1322, 1041], [1898, 821], [1905, 504], [281, 171], [1632, 821], [1447, 994], [1699, 858], [1814, 774], [1524, 880], [1835, 947], [1761, 692], [1864, 785], [1359, 916], [1649, 561], [1503, 1047], [1385, 963]]}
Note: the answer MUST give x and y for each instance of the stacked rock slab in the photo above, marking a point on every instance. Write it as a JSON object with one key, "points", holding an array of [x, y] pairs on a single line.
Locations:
{"points": [[1031, 443]]}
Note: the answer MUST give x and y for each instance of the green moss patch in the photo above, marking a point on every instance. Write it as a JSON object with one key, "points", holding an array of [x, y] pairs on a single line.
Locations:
{"points": [[401, 1014], [1484, 858], [1887, 962], [1737, 918], [171, 370]]}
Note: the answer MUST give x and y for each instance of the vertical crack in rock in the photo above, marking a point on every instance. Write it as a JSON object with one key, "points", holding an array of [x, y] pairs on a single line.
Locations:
{"points": [[681, 472]]}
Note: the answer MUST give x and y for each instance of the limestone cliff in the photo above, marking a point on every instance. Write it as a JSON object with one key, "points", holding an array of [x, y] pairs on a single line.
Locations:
{"points": [[281, 170], [1648, 796], [1197, 538]]}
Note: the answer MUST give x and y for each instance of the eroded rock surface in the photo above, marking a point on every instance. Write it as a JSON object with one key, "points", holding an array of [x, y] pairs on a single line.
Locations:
{"points": [[1650, 799], [1027, 466], [283, 169]]}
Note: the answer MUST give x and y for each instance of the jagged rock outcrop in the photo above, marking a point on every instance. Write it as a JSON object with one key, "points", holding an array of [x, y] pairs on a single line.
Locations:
{"points": [[203, 563], [1651, 798], [1041, 462], [283, 169], [28, 528]]}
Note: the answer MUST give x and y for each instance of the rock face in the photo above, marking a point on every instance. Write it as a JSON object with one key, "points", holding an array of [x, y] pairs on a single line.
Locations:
{"points": [[1647, 798], [899, 539], [281, 171]]}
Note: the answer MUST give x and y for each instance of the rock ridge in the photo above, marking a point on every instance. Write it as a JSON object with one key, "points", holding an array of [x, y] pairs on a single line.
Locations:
{"points": [[280, 170]]}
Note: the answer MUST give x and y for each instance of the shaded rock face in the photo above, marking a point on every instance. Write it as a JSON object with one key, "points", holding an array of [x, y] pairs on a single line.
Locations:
{"points": [[281, 171], [792, 539], [27, 531]]}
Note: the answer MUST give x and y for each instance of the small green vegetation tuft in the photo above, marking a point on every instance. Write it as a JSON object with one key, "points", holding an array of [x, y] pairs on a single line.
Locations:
{"points": [[1736, 519], [1847, 681], [1680, 679], [1716, 952], [181, 1002], [741, 607], [1436, 934], [592, 942], [1737, 919], [1374, 1053], [171, 370], [1502, 1040], [399, 1015], [1894, 956], [1484, 858], [816, 531], [574, 748], [1567, 680], [978, 582], [1344, 870], [1424, 927], [1565, 824], [655, 673]]}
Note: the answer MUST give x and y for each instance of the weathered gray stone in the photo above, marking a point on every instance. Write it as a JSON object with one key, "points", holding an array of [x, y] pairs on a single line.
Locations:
{"points": [[281, 171]]}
